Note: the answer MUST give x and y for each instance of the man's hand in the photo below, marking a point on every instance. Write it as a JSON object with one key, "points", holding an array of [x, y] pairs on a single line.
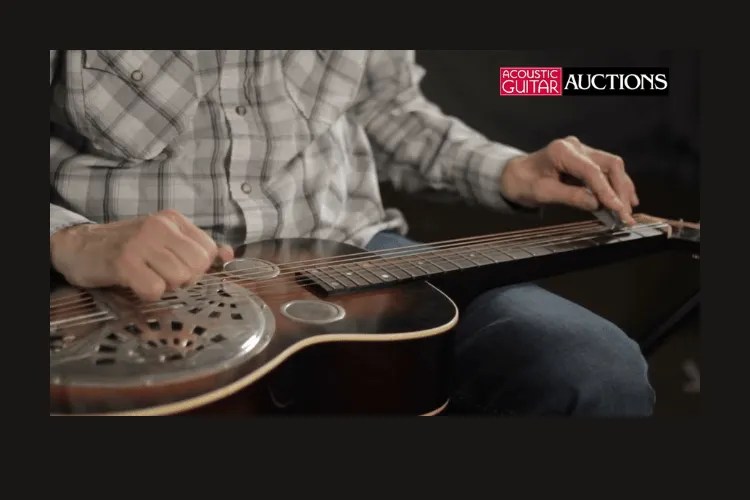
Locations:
{"points": [[150, 254], [535, 179]]}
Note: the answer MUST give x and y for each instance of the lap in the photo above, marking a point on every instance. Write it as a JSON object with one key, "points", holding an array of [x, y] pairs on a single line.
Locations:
{"points": [[526, 349], [526, 305]]}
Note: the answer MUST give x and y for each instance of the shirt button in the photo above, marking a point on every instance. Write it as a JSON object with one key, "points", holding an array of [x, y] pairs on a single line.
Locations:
{"points": [[241, 110], [137, 75], [246, 188]]}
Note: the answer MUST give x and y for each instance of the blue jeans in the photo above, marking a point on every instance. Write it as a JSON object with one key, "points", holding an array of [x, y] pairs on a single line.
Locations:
{"points": [[521, 350]]}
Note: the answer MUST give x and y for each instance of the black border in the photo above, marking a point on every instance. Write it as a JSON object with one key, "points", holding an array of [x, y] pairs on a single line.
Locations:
{"points": [[502, 446]]}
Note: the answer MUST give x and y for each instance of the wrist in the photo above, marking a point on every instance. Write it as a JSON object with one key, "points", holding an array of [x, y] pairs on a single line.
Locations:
{"points": [[514, 182], [64, 242]]}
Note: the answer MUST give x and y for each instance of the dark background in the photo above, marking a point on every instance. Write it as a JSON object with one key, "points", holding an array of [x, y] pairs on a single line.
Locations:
{"points": [[658, 138]]}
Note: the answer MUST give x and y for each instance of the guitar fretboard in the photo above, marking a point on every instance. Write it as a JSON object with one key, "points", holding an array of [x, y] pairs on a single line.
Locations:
{"points": [[383, 268]]}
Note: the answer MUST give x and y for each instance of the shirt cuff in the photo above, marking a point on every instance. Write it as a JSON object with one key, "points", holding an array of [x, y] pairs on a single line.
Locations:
{"points": [[60, 218]]}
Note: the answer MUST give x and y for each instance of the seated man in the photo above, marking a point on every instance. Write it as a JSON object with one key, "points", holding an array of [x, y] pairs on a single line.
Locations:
{"points": [[161, 161]]}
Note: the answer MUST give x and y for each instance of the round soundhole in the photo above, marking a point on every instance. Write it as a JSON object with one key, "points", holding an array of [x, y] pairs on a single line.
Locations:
{"points": [[315, 312], [251, 269]]}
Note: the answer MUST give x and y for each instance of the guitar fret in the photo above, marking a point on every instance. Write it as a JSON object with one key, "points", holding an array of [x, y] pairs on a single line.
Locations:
{"points": [[441, 265], [384, 274], [539, 250], [516, 253], [488, 256], [496, 255], [329, 279], [408, 268], [462, 262], [365, 274], [605, 240], [336, 273], [563, 247], [391, 265], [378, 274], [394, 261], [319, 277], [354, 275], [588, 242], [477, 258], [428, 267]]}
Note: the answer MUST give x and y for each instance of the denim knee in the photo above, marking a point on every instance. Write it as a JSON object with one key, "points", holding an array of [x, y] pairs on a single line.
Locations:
{"points": [[524, 350]]}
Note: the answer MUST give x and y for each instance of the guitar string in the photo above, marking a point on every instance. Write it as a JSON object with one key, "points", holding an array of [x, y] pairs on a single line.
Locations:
{"points": [[275, 281], [425, 250], [303, 284], [87, 298], [418, 257], [341, 258], [66, 300], [406, 249], [166, 303], [105, 315], [308, 282]]}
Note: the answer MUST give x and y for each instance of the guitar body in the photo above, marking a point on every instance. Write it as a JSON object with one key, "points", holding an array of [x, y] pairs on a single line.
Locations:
{"points": [[309, 326], [263, 347]]}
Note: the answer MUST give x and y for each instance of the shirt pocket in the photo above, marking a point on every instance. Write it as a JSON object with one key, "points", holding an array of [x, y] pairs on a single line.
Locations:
{"points": [[137, 102], [323, 83]]}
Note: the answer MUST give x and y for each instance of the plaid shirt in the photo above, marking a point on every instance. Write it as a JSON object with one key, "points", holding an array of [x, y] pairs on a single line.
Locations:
{"points": [[255, 144]]}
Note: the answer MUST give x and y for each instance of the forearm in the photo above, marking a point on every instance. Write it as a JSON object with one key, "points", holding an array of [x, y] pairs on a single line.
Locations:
{"points": [[418, 146]]}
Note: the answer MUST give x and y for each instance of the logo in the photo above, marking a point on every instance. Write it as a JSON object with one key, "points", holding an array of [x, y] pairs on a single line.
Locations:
{"points": [[560, 81]]}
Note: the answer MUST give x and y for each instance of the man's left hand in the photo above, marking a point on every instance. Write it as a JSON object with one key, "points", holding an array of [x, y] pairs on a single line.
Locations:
{"points": [[536, 179]]}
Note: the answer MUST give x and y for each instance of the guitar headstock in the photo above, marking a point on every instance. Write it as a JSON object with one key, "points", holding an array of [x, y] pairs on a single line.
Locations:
{"points": [[683, 235]]}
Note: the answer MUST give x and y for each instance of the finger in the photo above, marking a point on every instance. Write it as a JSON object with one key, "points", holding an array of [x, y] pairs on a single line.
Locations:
{"points": [[614, 167], [193, 232], [202, 238], [169, 267], [575, 142], [551, 190], [144, 282], [225, 253], [165, 232], [575, 163], [193, 255]]}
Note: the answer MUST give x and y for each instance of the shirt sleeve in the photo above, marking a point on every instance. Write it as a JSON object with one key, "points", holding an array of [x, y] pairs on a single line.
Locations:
{"points": [[417, 146], [59, 151]]}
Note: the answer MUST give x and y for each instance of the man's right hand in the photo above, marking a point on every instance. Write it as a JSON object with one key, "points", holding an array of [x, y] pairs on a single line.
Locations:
{"points": [[150, 254]]}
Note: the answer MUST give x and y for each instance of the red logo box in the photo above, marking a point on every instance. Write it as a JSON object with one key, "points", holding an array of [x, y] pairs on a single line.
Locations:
{"points": [[531, 81]]}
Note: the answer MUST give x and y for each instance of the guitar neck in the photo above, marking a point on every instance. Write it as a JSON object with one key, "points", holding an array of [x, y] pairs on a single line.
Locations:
{"points": [[530, 254]]}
